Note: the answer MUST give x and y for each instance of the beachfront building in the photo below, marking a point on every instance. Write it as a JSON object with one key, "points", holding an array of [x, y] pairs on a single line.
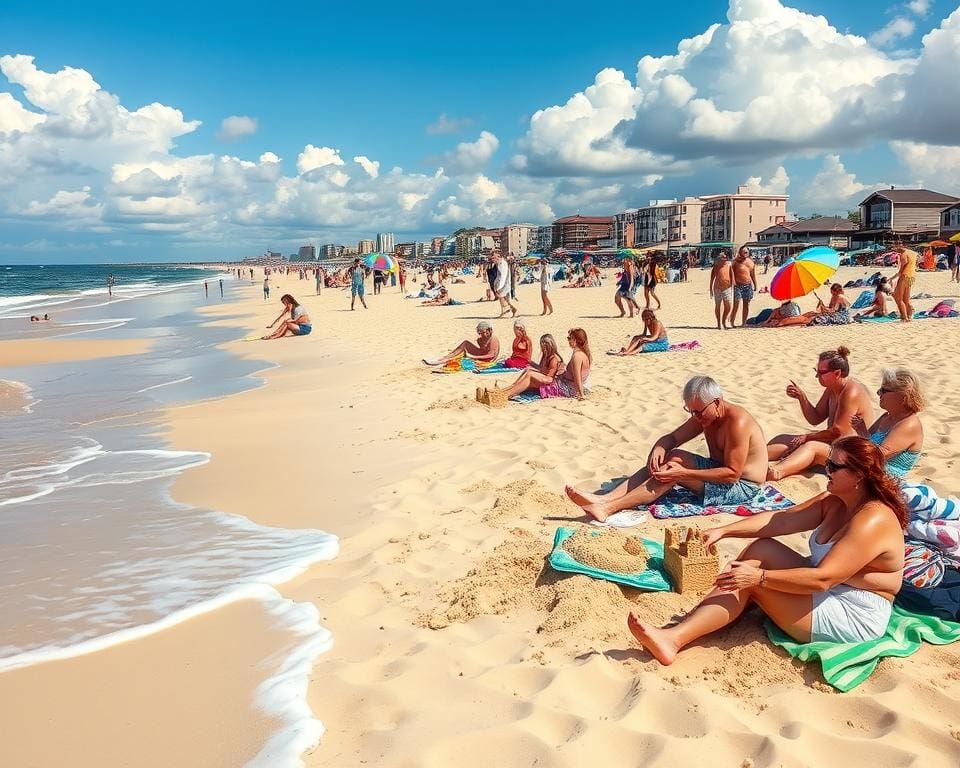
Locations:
{"points": [[574, 233], [541, 241], [950, 221], [385, 242], [516, 239], [669, 222], [365, 246], [625, 227], [327, 251], [436, 246], [909, 215], [820, 230], [737, 218], [307, 253]]}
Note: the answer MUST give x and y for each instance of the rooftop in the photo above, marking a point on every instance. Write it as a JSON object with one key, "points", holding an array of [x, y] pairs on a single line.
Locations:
{"points": [[578, 219], [817, 224], [912, 196]]}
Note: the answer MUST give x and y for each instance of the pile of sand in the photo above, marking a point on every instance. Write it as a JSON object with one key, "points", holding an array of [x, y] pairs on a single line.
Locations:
{"points": [[526, 500], [607, 549]]}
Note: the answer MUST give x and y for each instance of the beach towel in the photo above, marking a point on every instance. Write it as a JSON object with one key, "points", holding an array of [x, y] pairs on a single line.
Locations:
{"points": [[942, 601], [925, 565], [924, 503], [864, 300], [762, 317], [846, 665], [497, 367], [653, 579], [526, 397], [683, 346], [462, 364]]}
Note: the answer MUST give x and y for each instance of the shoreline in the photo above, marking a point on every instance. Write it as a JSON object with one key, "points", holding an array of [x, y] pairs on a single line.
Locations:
{"points": [[423, 486]]}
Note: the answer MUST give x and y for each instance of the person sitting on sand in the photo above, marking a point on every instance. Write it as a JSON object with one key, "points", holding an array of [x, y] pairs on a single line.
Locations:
{"points": [[653, 338], [38, 319], [842, 593], [484, 350], [899, 431], [837, 312], [731, 475], [787, 309], [443, 298], [879, 306], [522, 347], [532, 378], [297, 325], [842, 399], [571, 380]]}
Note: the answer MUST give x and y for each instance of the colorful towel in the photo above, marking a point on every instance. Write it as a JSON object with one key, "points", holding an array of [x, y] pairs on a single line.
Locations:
{"points": [[526, 397], [497, 367], [681, 502], [923, 503], [846, 665], [683, 346], [654, 579], [864, 300], [463, 363]]}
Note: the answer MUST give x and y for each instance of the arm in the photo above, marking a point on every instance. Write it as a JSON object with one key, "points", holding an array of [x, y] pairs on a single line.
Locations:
{"points": [[904, 435], [713, 279], [682, 434], [847, 408], [801, 517], [814, 414], [279, 317], [753, 275]]}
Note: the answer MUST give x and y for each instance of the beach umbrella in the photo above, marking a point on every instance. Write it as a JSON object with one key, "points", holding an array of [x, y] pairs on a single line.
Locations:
{"points": [[955, 238], [804, 272], [939, 244], [381, 261]]}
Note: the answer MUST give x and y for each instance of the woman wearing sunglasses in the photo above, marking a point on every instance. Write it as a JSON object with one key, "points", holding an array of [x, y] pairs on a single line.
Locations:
{"points": [[842, 593], [898, 432]]}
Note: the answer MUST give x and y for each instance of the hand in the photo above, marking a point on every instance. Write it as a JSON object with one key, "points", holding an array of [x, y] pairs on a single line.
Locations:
{"points": [[655, 462], [670, 474], [738, 575], [794, 391], [797, 442], [857, 422], [710, 537]]}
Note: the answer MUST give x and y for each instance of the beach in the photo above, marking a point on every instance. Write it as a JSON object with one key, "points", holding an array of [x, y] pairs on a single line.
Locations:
{"points": [[451, 642]]}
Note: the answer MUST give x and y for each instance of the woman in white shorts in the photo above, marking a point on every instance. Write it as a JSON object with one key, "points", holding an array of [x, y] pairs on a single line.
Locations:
{"points": [[842, 593], [545, 287]]}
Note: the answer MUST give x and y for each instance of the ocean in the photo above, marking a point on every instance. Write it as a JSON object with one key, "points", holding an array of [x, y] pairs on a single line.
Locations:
{"points": [[93, 549]]}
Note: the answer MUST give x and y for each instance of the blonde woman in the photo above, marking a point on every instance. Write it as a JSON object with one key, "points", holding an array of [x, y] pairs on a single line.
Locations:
{"points": [[533, 378], [898, 432]]}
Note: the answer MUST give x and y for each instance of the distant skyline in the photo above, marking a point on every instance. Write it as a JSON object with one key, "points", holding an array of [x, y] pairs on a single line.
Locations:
{"points": [[212, 132]]}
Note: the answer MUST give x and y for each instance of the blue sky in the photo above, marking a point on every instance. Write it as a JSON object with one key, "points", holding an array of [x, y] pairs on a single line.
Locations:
{"points": [[83, 181]]}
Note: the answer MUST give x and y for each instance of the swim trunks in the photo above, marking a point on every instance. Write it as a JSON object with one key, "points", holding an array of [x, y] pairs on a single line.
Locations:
{"points": [[662, 345], [357, 289], [725, 295], [726, 494], [744, 291]]}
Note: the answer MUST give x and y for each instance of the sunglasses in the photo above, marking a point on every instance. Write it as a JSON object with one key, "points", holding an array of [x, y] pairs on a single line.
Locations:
{"points": [[818, 373], [832, 466], [698, 412], [883, 391]]}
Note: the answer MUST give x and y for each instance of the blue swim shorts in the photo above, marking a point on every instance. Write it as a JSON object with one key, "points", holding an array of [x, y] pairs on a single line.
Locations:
{"points": [[744, 291], [357, 290], [655, 346], [303, 329], [726, 494]]}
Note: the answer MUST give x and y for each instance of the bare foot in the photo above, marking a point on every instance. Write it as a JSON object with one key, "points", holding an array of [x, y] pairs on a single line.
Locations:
{"points": [[653, 639], [773, 473], [580, 498], [593, 505]]}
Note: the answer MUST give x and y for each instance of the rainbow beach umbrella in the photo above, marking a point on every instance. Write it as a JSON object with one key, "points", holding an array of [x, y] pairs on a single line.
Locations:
{"points": [[381, 261], [805, 272]]}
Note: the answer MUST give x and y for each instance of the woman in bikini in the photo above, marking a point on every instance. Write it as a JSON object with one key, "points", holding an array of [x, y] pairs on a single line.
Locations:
{"points": [[899, 431], [653, 338], [650, 281], [842, 593], [531, 378], [837, 312], [627, 288], [522, 347]]}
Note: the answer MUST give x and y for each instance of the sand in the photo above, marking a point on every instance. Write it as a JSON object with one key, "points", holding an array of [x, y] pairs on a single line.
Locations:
{"points": [[454, 643], [609, 550], [37, 351]]}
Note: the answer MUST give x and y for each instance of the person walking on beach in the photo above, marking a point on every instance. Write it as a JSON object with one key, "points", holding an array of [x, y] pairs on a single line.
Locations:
{"points": [[545, 287], [905, 278], [721, 288], [356, 284], [221, 289], [514, 271], [110, 283], [627, 287], [502, 287], [650, 282], [953, 262], [206, 290], [266, 289], [744, 284], [402, 276], [767, 260], [377, 281]]}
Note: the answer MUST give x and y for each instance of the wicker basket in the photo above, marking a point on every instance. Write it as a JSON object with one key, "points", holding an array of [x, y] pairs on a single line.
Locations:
{"points": [[691, 567]]}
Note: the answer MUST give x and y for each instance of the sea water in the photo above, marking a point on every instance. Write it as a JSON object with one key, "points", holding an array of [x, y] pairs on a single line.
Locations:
{"points": [[93, 549]]}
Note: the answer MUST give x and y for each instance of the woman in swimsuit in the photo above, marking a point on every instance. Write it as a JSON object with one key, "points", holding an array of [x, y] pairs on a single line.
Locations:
{"points": [[899, 431], [627, 288], [297, 325], [574, 379], [836, 313], [522, 347], [653, 338], [532, 377], [650, 281], [842, 593]]}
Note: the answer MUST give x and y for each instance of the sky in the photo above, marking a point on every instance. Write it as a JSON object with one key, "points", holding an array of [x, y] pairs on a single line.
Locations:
{"points": [[196, 131]]}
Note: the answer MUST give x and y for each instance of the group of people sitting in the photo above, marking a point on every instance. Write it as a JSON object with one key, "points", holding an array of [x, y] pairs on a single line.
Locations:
{"points": [[842, 592]]}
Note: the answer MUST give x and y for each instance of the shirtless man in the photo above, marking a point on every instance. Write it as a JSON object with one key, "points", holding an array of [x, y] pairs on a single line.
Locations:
{"points": [[721, 288], [744, 284], [485, 350], [843, 398], [730, 476]]}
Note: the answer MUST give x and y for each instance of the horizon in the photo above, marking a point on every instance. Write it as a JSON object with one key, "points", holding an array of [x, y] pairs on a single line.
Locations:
{"points": [[127, 137]]}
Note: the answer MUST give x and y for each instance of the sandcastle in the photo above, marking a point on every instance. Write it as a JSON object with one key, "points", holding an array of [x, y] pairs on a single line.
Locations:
{"points": [[691, 567]]}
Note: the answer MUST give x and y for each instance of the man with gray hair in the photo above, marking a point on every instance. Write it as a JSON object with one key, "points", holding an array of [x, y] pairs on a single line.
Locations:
{"points": [[730, 476], [485, 350]]}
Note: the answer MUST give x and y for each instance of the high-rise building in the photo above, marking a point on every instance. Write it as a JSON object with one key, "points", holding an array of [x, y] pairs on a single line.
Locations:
{"points": [[737, 218], [667, 222], [516, 239], [543, 239], [436, 246], [328, 251], [385, 243], [574, 233], [365, 246], [307, 253]]}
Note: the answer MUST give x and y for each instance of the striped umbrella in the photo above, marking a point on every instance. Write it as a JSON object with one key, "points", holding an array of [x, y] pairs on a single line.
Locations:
{"points": [[805, 272]]}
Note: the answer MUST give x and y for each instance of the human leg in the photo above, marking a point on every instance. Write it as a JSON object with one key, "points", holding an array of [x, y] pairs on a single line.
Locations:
{"points": [[618, 300], [807, 455], [792, 613]]}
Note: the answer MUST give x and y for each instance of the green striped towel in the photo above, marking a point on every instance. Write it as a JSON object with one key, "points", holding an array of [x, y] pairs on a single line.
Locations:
{"points": [[846, 665]]}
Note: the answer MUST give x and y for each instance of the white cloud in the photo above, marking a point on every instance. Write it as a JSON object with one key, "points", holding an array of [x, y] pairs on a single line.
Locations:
{"points": [[65, 204], [933, 166], [446, 124], [833, 187], [920, 7], [236, 127], [472, 156], [372, 167], [317, 157], [896, 29], [15, 117], [776, 185]]}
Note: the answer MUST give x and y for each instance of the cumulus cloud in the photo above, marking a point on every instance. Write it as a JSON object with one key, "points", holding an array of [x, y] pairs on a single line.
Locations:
{"points": [[919, 7], [236, 127], [446, 124], [833, 187], [472, 156], [317, 157], [66, 204], [934, 166], [372, 167], [896, 29], [776, 185]]}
